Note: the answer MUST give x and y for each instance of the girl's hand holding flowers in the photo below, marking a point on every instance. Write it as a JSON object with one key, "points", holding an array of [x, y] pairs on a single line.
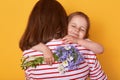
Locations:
{"points": [[68, 56], [48, 56]]}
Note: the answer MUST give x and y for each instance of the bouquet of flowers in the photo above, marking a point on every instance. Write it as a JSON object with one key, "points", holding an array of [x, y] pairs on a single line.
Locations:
{"points": [[68, 56]]}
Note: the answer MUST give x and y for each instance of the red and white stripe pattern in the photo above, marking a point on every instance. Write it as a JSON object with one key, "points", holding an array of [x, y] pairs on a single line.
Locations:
{"points": [[46, 72], [89, 67], [96, 72]]}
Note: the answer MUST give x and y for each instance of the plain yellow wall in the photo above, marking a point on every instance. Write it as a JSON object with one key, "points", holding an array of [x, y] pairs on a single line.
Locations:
{"points": [[105, 29]]}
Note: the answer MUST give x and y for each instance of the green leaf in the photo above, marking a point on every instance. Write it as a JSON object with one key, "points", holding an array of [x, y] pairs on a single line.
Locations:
{"points": [[55, 57]]}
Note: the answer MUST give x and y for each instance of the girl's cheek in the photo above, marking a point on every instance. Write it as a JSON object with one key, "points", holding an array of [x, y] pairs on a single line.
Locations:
{"points": [[81, 35], [69, 31]]}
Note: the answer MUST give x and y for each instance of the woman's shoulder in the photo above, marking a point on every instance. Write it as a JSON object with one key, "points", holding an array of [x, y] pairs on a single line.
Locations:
{"points": [[87, 39], [55, 42], [31, 52]]}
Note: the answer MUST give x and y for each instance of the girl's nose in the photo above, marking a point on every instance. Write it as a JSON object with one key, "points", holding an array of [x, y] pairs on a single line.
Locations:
{"points": [[77, 29]]}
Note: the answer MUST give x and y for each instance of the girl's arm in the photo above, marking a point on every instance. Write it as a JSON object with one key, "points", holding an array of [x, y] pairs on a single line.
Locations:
{"points": [[93, 46], [48, 56]]}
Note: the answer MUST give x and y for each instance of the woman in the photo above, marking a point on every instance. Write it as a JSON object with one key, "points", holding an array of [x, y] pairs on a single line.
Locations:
{"points": [[48, 24]]}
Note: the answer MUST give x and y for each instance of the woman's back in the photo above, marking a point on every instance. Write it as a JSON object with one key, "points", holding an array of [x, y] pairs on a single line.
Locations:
{"points": [[46, 72]]}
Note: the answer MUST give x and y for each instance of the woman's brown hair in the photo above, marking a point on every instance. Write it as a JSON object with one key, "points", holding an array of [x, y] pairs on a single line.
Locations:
{"points": [[47, 21], [84, 16]]}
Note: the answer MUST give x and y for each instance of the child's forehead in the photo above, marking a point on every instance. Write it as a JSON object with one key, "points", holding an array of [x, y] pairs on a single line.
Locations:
{"points": [[78, 19], [77, 16]]}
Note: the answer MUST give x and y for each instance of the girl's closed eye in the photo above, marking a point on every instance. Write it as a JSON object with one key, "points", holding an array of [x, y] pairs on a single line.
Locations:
{"points": [[73, 26], [82, 29]]}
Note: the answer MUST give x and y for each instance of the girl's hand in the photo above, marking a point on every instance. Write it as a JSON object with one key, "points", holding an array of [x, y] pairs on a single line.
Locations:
{"points": [[48, 56], [70, 39]]}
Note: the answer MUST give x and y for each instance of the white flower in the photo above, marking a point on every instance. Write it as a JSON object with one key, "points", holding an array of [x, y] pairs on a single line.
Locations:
{"points": [[65, 63], [61, 69], [67, 47], [71, 58]]}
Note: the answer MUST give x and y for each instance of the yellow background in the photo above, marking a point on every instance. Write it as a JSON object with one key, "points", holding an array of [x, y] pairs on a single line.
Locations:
{"points": [[105, 29]]}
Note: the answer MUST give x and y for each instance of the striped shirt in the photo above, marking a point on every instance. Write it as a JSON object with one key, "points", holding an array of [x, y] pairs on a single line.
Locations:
{"points": [[96, 72], [90, 65]]}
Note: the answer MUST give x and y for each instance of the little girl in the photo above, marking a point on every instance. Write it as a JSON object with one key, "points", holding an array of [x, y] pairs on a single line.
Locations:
{"points": [[79, 23], [78, 27]]}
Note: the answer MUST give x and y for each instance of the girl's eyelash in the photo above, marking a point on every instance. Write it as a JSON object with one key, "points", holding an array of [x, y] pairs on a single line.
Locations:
{"points": [[73, 26], [82, 29]]}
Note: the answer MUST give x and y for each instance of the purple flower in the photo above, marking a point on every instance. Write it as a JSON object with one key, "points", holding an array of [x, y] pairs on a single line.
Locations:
{"points": [[70, 54]]}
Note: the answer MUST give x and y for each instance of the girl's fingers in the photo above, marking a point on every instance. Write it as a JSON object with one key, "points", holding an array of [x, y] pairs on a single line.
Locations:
{"points": [[46, 60], [52, 59], [67, 41], [65, 38], [49, 61]]}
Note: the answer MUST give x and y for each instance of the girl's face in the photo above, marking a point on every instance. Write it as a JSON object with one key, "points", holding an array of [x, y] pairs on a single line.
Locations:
{"points": [[77, 26]]}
